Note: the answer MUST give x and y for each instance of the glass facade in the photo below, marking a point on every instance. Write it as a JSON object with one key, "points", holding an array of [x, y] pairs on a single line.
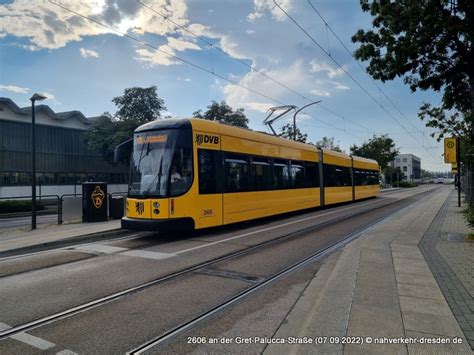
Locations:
{"points": [[62, 157]]}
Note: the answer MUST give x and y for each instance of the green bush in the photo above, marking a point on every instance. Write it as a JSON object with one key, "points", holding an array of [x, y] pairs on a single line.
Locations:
{"points": [[470, 215], [12, 206], [405, 184]]}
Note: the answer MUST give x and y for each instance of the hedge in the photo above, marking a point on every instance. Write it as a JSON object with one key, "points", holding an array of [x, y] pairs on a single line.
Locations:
{"points": [[12, 206]]}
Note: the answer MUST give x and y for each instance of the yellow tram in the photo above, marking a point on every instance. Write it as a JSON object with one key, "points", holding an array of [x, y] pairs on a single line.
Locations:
{"points": [[193, 173]]}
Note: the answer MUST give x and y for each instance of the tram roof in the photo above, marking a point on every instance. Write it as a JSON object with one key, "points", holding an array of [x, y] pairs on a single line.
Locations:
{"points": [[223, 129], [239, 132]]}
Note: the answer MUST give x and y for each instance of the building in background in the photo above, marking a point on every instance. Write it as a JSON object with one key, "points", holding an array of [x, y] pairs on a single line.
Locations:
{"points": [[410, 165], [63, 160]]}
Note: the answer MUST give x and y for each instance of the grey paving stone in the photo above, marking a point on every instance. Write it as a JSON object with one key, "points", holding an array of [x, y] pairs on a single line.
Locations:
{"points": [[378, 256], [395, 349], [373, 321], [423, 305], [420, 291], [432, 324], [416, 279], [451, 262], [430, 349], [411, 266]]}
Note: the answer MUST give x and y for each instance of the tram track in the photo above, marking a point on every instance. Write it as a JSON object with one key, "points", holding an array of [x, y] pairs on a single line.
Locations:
{"points": [[252, 249], [112, 236], [186, 326]]}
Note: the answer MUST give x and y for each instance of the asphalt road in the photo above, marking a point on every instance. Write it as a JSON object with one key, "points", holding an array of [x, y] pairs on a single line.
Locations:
{"points": [[40, 285]]}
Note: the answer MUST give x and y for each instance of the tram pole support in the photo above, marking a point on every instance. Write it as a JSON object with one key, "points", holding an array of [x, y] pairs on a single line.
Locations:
{"points": [[458, 164], [294, 116]]}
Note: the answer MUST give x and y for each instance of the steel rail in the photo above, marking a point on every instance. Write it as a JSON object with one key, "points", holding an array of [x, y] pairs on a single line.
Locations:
{"points": [[115, 296], [176, 331], [188, 325]]}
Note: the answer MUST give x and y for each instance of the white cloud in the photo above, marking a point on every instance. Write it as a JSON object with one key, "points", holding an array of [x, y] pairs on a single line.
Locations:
{"points": [[293, 76], [181, 45], [250, 32], [340, 86], [187, 80], [46, 25], [48, 96], [86, 53], [13, 88], [331, 72], [261, 6], [164, 54], [232, 48], [252, 17], [318, 92]]}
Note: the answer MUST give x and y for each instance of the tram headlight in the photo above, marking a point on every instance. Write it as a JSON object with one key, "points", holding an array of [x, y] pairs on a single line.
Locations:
{"points": [[156, 205], [156, 211]]}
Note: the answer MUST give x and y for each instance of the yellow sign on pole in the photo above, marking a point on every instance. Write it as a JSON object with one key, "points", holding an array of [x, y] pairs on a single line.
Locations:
{"points": [[454, 168], [450, 150]]}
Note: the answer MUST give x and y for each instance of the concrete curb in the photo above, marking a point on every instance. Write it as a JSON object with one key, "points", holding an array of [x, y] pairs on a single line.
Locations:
{"points": [[92, 237]]}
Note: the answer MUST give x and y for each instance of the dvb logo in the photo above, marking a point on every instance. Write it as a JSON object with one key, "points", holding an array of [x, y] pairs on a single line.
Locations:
{"points": [[204, 138]]}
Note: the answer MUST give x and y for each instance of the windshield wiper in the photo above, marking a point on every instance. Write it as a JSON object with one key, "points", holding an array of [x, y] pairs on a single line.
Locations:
{"points": [[157, 176]]}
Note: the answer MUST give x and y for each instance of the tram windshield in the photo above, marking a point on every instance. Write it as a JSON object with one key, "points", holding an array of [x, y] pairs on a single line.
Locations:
{"points": [[161, 163]]}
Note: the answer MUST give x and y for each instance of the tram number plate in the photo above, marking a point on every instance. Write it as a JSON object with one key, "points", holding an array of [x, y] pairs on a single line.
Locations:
{"points": [[207, 212]]}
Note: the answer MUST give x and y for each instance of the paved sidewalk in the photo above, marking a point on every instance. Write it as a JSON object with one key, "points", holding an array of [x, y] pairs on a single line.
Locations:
{"points": [[381, 289], [53, 234], [451, 258]]}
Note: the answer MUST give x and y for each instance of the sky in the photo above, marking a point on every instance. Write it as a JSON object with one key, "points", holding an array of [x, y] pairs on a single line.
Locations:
{"points": [[248, 53]]}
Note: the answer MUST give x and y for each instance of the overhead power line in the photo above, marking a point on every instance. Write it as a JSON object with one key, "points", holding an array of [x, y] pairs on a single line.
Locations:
{"points": [[363, 69], [194, 65], [349, 75], [251, 67]]}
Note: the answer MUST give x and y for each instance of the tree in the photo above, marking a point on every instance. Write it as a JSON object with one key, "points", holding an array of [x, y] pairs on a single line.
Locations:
{"points": [[393, 175], [223, 112], [135, 107], [429, 44], [287, 132], [139, 105], [427, 174], [329, 143], [382, 149], [100, 136]]}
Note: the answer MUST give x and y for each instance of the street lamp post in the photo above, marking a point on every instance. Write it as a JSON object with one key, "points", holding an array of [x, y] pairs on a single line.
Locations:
{"points": [[35, 97]]}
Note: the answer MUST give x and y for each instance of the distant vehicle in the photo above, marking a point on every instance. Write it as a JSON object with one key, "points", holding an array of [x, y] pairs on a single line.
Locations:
{"points": [[200, 174], [439, 181]]}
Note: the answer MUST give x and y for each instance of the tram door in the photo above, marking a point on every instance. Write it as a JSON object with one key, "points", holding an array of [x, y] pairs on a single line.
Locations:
{"points": [[208, 206]]}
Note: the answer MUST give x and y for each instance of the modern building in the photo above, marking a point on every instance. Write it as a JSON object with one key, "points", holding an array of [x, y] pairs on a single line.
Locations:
{"points": [[410, 165], [63, 160]]}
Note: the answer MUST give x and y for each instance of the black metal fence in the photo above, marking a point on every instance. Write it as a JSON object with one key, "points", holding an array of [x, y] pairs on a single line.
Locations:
{"points": [[53, 204], [467, 186]]}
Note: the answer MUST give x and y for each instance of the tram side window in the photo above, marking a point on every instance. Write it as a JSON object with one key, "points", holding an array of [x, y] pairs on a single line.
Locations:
{"points": [[237, 173], [282, 173], [359, 177], [261, 174], [337, 176], [373, 177], [207, 164], [297, 174], [312, 174], [366, 177]]}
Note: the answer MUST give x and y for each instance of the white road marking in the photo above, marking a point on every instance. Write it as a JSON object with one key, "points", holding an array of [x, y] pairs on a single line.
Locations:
{"points": [[100, 248], [148, 254], [33, 341], [29, 339], [271, 228], [66, 352]]}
